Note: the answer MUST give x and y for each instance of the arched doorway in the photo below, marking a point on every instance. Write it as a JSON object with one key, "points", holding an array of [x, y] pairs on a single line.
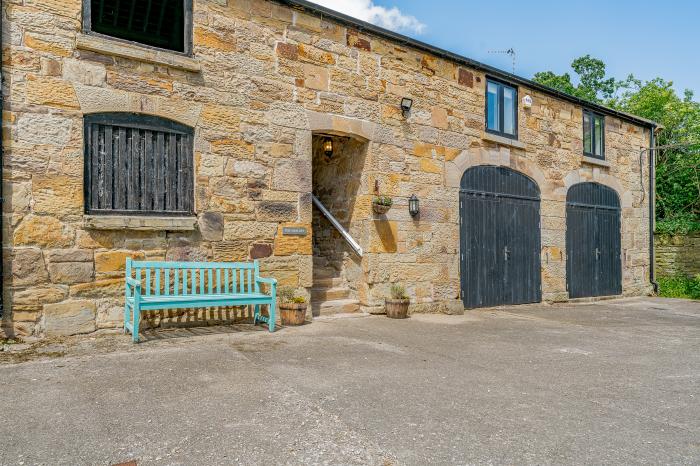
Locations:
{"points": [[593, 244], [499, 237]]}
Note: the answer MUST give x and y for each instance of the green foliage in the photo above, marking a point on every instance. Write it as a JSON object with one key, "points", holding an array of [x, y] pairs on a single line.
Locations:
{"points": [[678, 170], [679, 287], [678, 225], [593, 85], [383, 200], [398, 291], [288, 295]]}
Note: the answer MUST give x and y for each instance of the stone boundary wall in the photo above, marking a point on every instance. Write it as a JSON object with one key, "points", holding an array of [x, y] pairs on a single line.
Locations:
{"points": [[678, 254]]}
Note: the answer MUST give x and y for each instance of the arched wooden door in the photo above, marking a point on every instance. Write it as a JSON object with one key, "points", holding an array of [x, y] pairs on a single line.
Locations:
{"points": [[593, 244], [500, 237]]}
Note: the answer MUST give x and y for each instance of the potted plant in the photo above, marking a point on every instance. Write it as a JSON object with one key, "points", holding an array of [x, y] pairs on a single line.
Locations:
{"points": [[382, 204], [292, 307], [397, 305]]}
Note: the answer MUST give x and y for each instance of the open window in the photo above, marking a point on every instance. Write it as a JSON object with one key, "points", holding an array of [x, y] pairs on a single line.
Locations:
{"points": [[165, 24], [138, 165]]}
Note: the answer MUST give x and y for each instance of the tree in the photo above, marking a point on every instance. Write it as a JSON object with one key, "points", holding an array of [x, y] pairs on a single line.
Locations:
{"points": [[593, 85], [678, 170]]}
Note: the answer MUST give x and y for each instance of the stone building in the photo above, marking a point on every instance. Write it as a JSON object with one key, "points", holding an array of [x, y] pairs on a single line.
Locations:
{"points": [[198, 130]]}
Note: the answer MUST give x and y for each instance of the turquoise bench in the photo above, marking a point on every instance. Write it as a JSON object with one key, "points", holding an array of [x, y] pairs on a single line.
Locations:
{"points": [[153, 286]]}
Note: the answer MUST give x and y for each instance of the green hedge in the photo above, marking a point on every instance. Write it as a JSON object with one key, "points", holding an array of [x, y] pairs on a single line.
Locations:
{"points": [[679, 287]]}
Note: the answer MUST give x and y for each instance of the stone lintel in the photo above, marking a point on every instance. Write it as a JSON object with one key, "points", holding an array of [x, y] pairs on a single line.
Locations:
{"points": [[486, 136], [119, 222], [122, 49]]}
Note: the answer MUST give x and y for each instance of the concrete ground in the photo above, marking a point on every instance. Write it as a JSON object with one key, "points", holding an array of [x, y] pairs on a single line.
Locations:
{"points": [[609, 382]]}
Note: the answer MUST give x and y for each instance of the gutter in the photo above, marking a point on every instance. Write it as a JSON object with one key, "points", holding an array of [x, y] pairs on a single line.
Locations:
{"points": [[363, 26], [652, 208]]}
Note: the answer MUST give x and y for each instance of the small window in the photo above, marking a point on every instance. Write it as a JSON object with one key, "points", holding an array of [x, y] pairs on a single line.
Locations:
{"points": [[593, 134], [164, 24], [138, 165], [501, 109]]}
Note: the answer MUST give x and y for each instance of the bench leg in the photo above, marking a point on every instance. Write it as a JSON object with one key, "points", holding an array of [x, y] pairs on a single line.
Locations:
{"points": [[126, 316], [273, 316], [256, 314], [135, 323]]}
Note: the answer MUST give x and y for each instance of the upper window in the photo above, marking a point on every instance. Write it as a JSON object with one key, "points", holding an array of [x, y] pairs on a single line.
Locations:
{"points": [[138, 165], [165, 24], [593, 134], [501, 109]]}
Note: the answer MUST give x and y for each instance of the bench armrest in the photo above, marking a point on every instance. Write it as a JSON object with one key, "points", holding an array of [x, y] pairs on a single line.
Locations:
{"points": [[133, 282], [269, 281]]}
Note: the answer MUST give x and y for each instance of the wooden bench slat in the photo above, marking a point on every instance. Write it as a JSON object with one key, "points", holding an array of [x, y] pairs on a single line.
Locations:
{"points": [[200, 286]]}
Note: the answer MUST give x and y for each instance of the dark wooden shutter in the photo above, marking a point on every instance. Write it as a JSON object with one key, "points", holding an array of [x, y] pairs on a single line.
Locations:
{"points": [[158, 23], [138, 164]]}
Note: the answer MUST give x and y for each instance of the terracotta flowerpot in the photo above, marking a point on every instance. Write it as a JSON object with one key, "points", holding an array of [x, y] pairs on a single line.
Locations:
{"points": [[293, 314], [397, 308], [381, 208]]}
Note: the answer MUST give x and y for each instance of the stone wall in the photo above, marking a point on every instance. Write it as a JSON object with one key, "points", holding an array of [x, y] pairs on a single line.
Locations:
{"points": [[677, 254], [263, 78]]}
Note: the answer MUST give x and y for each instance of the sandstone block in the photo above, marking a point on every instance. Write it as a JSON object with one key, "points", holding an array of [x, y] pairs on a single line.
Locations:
{"points": [[84, 72], [71, 272], [28, 267], [43, 231], [69, 318], [384, 237], [211, 226], [41, 128], [273, 211], [57, 195], [112, 287], [39, 295], [52, 92], [114, 261], [287, 245], [292, 175], [316, 77]]}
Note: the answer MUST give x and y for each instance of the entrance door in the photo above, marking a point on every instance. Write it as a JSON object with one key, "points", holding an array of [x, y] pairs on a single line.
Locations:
{"points": [[593, 249], [500, 237]]}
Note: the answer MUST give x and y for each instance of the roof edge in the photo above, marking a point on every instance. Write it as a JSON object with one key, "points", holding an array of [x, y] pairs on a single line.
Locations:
{"points": [[497, 73]]}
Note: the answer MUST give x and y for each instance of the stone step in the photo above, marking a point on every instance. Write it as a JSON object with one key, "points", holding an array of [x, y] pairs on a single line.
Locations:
{"points": [[336, 306], [325, 294], [325, 272], [328, 282]]}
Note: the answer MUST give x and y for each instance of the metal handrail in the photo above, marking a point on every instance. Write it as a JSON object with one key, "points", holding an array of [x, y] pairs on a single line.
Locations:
{"points": [[351, 241]]}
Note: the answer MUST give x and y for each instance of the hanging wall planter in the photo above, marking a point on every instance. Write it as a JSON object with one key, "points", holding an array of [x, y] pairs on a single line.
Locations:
{"points": [[382, 204]]}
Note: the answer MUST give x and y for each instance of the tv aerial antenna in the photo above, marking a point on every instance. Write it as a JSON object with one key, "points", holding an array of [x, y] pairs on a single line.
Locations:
{"points": [[510, 52]]}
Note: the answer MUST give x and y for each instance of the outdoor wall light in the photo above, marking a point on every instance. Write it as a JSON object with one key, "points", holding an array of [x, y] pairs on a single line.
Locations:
{"points": [[413, 206], [328, 147], [406, 104]]}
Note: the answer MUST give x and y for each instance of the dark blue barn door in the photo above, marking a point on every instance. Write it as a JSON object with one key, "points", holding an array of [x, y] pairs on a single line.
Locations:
{"points": [[593, 248], [500, 238]]}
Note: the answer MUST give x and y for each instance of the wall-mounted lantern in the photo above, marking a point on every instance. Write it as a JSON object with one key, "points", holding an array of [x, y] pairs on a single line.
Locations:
{"points": [[328, 147], [406, 104], [413, 206]]}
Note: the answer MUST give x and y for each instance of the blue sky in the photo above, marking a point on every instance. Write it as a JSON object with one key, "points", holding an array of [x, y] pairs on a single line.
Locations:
{"points": [[643, 37]]}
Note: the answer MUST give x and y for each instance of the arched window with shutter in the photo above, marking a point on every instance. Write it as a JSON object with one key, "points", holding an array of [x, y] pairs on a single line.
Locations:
{"points": [[138, 165]]}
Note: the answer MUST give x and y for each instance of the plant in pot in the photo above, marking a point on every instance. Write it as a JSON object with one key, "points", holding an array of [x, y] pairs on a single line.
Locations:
{"points": [[292, 307], [397, 305], [382, 204]]}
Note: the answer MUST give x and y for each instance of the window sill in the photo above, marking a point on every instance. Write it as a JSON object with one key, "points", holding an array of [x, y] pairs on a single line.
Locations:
{"points": [[594, 161], [125, 50], [502, 140], [119, 222]]}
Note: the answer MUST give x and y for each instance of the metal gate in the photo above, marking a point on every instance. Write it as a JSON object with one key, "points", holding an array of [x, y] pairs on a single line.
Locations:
{"points": [[500, 237], [593, 249]]}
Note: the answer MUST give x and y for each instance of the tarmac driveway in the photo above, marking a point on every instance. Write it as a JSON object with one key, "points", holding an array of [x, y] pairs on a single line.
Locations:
{"points": [[610, 382]]}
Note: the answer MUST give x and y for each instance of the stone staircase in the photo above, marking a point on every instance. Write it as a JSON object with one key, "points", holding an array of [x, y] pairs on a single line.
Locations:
{"points": [[330, 293]]}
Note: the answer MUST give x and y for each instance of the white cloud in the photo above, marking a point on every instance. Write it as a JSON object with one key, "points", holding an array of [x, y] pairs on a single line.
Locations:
{"points": [[366, 10]]}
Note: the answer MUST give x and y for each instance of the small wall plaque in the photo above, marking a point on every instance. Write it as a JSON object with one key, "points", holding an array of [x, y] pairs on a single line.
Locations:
{"points": [[294, 231]]}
